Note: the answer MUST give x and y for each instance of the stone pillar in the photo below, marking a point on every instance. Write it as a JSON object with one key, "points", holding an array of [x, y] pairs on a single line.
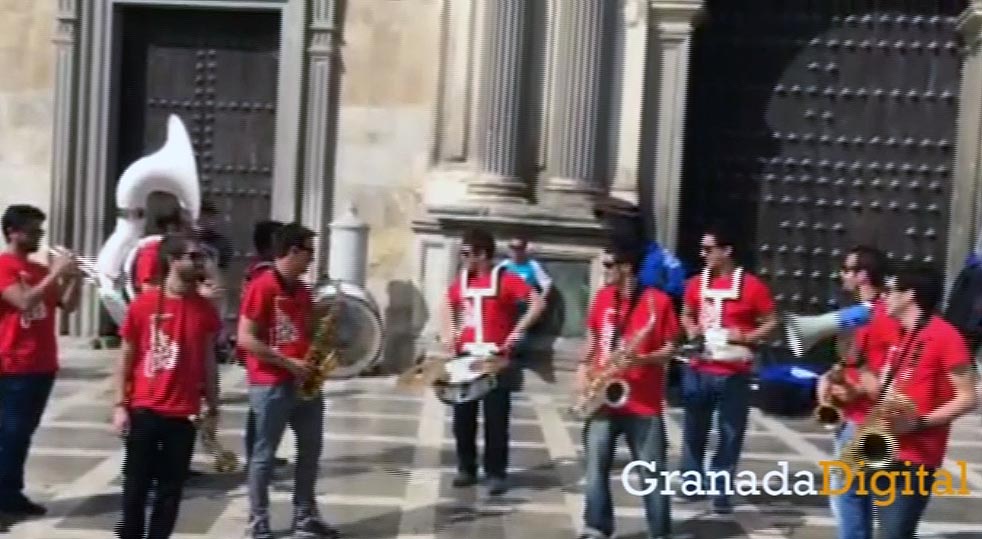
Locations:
{"points": [[500, 137], [320, 137], [966, 202], [61, 212], [664, 111], [580, 108]]}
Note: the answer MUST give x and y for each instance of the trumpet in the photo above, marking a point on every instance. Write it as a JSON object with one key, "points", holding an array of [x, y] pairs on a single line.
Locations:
{"points": [[85, 265]]}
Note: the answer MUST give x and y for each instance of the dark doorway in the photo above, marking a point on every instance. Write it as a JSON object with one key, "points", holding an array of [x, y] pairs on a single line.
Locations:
{"points": [[816, 125], [217, 70]]}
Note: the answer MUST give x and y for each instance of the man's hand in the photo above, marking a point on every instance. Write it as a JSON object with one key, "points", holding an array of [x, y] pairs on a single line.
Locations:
{"points": [[63, 264], [299, 368], [121, 421], [514, 338]]}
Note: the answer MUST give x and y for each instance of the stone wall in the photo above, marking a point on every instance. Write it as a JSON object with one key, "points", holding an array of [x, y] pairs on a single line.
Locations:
{"points": [[27, 67], [388, 93]]}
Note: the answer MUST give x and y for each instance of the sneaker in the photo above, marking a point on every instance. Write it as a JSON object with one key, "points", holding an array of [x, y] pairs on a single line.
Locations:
{"points": [[464, 480], [312, 527], [259, 529], [722, 506], [22, 506], [497, 486]]}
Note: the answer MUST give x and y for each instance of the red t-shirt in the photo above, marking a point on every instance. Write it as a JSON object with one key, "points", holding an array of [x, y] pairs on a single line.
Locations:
{"points": [[27, 339], [283, 320], [742, 313], [145, 265], [170, 380], [256, 267], [924, 379], [647, 382], [874, 340], [499, 312]]}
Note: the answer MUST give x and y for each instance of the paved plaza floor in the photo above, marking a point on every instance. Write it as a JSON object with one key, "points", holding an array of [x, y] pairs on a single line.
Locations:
{"points": [[388, 460]]}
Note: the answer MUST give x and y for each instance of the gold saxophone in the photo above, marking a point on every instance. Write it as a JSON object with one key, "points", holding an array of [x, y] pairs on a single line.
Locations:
{"points": [[874, 444], [324, 354], [607, 388], [225, 460]]}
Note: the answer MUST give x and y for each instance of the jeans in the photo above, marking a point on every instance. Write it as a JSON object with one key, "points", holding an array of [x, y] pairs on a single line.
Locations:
{"points": [[854, 512], [702, 395], [23, 398], [497, 411], [275, 407], [645, 436], [158, 449]]}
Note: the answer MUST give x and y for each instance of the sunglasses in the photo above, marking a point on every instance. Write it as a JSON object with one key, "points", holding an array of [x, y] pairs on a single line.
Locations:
{"points": [[466, 253], [194, 256], [849, 269]]}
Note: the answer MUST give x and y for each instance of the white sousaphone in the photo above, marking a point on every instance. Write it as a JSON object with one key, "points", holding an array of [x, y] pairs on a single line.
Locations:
{"points": [[171, 169]]}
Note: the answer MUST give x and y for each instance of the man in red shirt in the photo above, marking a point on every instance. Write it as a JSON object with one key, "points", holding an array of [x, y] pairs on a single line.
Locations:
{"points": [[929, 363], [275, 330], [167, 365], [732, 311], [625, 317], [146, 268], [29, 295], [863, 271], [483, 307], [262, 240]]}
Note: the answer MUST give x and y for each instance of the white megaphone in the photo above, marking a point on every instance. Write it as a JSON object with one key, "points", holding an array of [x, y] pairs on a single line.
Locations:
{"points": [[804, 331]]}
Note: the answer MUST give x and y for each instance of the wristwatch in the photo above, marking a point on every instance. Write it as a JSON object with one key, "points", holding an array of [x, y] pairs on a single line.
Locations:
{"points": [[921, 423]]}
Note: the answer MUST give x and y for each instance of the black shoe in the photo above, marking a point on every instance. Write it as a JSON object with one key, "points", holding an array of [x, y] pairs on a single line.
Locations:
{"points": [[497, 486], [21, 506], [312, 527], [722, 506], [688, 498], [464, 480], [278, 462]]}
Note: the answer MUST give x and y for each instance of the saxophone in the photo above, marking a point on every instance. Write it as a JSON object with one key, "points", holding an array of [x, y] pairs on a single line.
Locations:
{"points": [[606, 388], [225, 460], [324, 353], [874, 444]]}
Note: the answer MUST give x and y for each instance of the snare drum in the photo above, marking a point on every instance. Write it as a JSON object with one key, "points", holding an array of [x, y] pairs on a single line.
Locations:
{"points": [[464, 383]]}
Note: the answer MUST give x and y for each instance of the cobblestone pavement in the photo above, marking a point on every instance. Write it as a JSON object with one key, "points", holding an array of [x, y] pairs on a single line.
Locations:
{"points": [[388, 460]]}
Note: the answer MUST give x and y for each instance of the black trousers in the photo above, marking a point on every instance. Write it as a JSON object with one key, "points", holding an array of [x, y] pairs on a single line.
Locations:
{"points": [[158, 448], [497, 412]]}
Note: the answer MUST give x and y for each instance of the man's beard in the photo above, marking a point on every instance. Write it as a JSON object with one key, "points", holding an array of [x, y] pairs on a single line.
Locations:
{"points": [[30, 246]]}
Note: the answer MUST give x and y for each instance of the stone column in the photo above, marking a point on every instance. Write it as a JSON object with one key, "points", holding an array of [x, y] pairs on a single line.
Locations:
{"points": [[500, 140], [60, 214], [966, 194], [664, 111], [320, 137], [580, 108]]}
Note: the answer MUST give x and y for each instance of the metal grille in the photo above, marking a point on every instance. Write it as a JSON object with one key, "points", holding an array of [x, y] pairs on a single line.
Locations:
{"points": [[817, 125]]}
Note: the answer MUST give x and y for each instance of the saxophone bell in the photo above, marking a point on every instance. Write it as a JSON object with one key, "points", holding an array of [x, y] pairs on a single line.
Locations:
{"points": [[828, 415], [877, 448], [616, 393]]}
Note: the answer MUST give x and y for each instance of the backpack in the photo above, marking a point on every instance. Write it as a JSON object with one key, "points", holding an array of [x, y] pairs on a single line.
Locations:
{"points": [[965, 303], [662, 270]]}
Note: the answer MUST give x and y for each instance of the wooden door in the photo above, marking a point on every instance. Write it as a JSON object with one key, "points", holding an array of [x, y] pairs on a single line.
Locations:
{"points": [[217, 70]]}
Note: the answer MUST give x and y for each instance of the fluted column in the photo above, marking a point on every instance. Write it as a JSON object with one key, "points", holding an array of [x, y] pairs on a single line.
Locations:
{"points": [[62, 207], [580, 109], [500, 140], [664, 112], [320, 136]]}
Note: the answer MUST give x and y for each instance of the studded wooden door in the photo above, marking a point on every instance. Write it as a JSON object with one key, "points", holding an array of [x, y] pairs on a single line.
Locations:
{"points": [[816, 125], [217, 70]]}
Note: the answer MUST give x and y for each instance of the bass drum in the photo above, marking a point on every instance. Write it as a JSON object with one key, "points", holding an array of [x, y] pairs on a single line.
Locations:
{"points": [[359, 330]]}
